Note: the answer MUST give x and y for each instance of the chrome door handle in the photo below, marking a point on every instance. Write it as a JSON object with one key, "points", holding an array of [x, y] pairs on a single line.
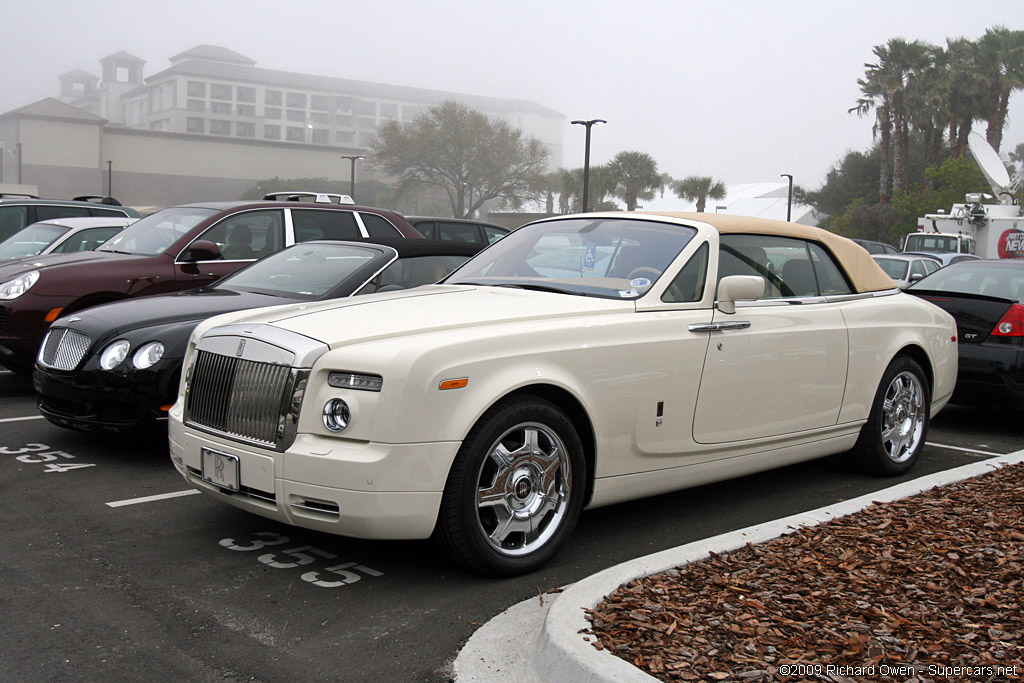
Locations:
{"points": [[718, 327]]}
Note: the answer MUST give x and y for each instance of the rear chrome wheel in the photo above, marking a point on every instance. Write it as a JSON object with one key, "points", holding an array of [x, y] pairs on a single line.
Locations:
{"points": [[892, 439], [515, 490]]}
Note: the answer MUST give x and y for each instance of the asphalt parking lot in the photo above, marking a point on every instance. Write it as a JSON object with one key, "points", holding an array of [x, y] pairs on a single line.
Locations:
{"points": [[112, 570]]}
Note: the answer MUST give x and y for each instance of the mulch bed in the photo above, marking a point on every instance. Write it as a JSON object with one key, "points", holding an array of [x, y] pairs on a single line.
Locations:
{"points": [[928, 588]]}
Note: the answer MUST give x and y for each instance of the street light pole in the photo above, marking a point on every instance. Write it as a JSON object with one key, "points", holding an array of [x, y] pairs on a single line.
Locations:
{"points": [[352, 175], [586, 160], [789, 199], [110, 174]]}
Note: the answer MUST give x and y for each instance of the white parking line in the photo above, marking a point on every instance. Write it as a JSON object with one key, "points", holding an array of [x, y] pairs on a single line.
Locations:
{"points": [[18, 419], [150, 499], [965, 450]]}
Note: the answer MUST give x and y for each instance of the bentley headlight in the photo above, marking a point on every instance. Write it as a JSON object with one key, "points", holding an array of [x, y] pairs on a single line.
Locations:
{"points": [[114, 354], [336, 415], [12, 289], [148, 355]]}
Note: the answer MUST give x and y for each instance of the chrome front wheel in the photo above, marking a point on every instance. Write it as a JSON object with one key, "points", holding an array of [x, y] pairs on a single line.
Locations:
{"points": [[515, 489]]}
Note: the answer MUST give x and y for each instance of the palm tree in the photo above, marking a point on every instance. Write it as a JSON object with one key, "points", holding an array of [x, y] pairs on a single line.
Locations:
{"points": [[699, 189], [665, 180], [636, 177], [1001, 64]]}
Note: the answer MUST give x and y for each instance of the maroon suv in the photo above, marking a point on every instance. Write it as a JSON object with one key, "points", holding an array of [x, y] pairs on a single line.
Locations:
{"points": [[173, 249]]}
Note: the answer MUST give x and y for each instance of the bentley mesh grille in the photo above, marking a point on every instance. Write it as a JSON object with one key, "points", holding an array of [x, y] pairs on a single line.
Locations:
{"points": [[63, 349], [238, 397]]}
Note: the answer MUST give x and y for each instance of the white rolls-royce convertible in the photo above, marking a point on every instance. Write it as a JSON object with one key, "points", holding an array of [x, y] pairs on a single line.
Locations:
{"points": [[577, 362]]}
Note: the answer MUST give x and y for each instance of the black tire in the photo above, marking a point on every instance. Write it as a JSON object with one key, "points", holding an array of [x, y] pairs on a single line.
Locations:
{"points": [[892, 439], [515, 489]]}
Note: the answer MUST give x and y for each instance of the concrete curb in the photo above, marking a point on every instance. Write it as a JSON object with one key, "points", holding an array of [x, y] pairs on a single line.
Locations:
{"points": [[506, 648]]}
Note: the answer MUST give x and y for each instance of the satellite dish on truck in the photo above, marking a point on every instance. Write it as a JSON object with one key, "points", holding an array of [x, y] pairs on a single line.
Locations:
{"points": [[993, 169]]}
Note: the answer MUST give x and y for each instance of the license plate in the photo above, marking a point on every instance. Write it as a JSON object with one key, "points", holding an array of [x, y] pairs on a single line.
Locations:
{"points": [[220, 469]]}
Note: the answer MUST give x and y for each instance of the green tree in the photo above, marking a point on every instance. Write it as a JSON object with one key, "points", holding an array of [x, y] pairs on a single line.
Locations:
{"points": [[699, 189], [636, 177], [463, 153], [1001, 65]]}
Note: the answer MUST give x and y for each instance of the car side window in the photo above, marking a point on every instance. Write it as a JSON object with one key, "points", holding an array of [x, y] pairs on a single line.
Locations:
{"points": [[831, 280], [688, 285], [427, 228], [247, 235], [311, 224], [12, 219], [46, 212], [459, 232], [930, 266], [493, 234], [378, 226]]}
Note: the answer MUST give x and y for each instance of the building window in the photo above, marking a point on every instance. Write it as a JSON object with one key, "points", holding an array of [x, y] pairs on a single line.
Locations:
{"points": [[296, 134], [296, 115], [297, 99], [343, 137], [271, 132], [367, 122], [321, 136], [220, 127], [247, 110], [344, 120], [366, 139], [410, 112], [220, 107], [318, 102], [245, 94], [271, 113], [319, 117], [343, 104], [220, 92], [196, 105], [366, 108], [195, 125], [272, 97], [196, 89], [388, 111], [245, 129]]}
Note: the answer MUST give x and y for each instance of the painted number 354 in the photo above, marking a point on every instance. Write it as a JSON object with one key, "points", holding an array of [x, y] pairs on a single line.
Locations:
{"points": [[38, 453], [300, 556]]}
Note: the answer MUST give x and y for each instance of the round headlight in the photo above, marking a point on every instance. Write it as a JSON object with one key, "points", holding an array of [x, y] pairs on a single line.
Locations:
{"points": [[114, 354], [336, 415], [148, 355]]}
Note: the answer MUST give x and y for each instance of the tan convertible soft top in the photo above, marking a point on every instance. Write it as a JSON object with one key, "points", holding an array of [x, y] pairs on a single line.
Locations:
{"points": [[865, 274]]}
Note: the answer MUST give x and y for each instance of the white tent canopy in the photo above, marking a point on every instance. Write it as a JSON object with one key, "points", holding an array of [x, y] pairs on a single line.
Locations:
{"points": [[760, 200]]}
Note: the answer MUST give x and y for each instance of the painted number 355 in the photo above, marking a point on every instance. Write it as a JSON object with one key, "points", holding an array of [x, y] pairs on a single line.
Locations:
{"points": [[300, 556]]}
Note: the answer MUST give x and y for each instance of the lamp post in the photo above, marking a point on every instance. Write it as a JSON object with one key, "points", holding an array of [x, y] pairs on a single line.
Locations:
{"points": [[586, 160], [352, 175], [470, 208], [110, 175], [789, 197]]}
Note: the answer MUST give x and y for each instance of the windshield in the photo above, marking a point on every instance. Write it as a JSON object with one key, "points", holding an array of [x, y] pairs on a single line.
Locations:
{"points": [[155, 233], [31, 240], [616, 258], [894, 268], [308, 270], [976, 278], [932, 242]]}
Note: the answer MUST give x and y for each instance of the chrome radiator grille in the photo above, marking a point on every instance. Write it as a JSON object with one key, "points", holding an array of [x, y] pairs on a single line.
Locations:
{"points": [[239, 398], [63, 349]]}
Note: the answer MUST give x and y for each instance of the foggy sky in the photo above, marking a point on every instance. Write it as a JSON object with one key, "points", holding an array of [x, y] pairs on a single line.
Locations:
{"points": [[739, 90]]}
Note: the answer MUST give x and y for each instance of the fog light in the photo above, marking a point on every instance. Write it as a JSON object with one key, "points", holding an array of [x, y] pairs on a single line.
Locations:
{"points": [[336, 415]]}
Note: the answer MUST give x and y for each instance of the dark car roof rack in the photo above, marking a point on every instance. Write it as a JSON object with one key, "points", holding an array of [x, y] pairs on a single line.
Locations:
{"points": [[97, 199], [304, 195]]}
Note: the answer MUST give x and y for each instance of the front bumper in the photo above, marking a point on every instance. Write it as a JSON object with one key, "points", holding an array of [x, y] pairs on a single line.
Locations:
{"points": [[350, 488], [991, 375], [93, 399]]}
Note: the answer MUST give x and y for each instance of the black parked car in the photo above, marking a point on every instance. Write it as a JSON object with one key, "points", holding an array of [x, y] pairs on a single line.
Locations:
{"points": [[463, 229], [116, 367], [987, 299]]}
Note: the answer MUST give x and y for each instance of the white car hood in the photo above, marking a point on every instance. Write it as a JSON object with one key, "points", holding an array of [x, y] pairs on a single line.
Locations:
{"points": [[426, 309]]}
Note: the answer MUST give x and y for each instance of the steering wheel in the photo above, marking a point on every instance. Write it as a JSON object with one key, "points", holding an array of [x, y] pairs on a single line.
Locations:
{"points": [[651, 274]]}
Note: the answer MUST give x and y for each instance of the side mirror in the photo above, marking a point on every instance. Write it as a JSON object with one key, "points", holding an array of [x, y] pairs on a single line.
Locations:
{"points": [[734, 288], [203, 250]]}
